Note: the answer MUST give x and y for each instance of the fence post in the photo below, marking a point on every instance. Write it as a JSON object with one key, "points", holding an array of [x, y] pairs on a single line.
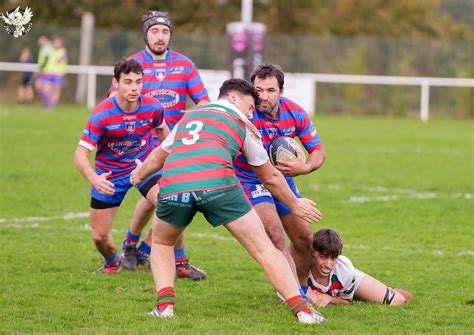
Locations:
{"points": [[85, 52], [91, 87], [425, 100], [315, 96]]}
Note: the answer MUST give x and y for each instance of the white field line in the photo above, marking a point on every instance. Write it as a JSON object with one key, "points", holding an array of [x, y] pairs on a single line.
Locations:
{"points": [[38, 223], [417, 150], [32, 222], [394, 194], [68, 216]]}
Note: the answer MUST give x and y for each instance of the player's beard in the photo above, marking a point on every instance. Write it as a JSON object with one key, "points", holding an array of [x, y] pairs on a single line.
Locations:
{"points": [[267, 108], [158, 52]]}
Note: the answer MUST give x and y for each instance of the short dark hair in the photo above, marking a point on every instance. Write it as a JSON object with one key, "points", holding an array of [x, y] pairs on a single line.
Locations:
{"points": [[238, 85], [266, 70], [126, 66], [327, 242]]}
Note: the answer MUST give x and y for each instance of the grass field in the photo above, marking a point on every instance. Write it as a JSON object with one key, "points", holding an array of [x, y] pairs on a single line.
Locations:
{"points": [[400, 192]]}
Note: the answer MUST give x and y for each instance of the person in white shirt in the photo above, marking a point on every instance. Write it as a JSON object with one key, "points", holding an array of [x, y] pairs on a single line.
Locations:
{"points": [[332, 278]]}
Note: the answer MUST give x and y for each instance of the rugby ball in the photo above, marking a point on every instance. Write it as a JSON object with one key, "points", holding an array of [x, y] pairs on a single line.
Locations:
{"points": [[283, 149]]}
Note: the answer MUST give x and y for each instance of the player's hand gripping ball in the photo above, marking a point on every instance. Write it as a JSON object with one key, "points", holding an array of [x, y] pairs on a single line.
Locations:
{"points": [[284, 149]]}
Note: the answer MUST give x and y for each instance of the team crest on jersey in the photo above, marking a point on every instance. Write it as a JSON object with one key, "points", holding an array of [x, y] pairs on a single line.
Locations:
{"points": [[160, 74], [130, 127], [272, 133]]}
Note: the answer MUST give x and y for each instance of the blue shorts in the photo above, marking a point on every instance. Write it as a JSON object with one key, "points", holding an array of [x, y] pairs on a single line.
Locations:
{"points": [[121, 186], [257, 193], [53, 79]]}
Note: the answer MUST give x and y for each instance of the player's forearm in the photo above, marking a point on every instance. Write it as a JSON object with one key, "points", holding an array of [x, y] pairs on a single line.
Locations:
{"points": [[161, 133], [315, 160], [82, 164], [278, 187], [339, 301], [153, 163]]}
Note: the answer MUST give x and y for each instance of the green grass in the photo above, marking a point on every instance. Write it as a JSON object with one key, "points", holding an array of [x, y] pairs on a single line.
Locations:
{"points": [[399, 192]]}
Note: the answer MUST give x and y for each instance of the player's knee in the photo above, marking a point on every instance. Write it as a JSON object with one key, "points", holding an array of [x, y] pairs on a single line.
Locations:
{"points": [[99, 238]]}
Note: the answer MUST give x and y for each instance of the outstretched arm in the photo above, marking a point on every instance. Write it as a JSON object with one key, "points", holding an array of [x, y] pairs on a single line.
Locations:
{"points": [[277, 185], [325, 300], [153, 163]]}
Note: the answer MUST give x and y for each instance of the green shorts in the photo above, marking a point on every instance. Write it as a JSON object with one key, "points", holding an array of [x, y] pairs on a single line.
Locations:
{"points": [[218, 206]]}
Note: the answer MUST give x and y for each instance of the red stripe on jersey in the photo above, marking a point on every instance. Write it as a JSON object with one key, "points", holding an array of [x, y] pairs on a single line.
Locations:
{"points": [[215, 159], [221, 172], [103, 106], [197, 146]]}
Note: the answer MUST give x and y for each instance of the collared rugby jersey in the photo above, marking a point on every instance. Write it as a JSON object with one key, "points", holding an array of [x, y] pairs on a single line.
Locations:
{"points": [[121, 137], [203, 146], [293, 122], [343, 280]]}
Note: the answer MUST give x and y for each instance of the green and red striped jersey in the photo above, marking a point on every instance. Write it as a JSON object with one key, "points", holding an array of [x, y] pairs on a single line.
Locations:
{"points": [[203, 146]]}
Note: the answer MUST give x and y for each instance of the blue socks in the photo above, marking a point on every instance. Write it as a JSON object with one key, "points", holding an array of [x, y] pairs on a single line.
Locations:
{"points": [[111, 260], [132, 238], [143, 251], [180, 255]]}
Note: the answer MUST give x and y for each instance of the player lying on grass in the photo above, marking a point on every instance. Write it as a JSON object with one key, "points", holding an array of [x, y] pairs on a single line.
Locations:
{"points": [[198, 177], [334, 280]]}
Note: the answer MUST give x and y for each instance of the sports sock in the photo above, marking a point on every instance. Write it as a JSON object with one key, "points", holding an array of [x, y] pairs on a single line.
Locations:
{"points": [[165, 297], [132, 238], [180, 255], [303, 294], [297, 304], [143, 251], [112, 260]]}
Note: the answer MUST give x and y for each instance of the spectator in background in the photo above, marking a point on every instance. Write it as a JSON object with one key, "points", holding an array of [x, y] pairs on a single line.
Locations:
{"points": [[45, 48], [25, 90], [52, 74]]}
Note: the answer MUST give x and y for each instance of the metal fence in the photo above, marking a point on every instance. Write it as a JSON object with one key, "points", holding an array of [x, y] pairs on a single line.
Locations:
{"points": [[297, 54]]}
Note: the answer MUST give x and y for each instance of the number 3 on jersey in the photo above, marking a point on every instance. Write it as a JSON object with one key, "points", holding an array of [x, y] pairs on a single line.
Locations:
{"points": [[195, 127]]}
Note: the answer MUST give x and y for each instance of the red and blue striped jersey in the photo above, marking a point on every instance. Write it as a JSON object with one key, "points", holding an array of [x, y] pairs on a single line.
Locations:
{"points": [[170, 80], [121, 137], [293, 122]]}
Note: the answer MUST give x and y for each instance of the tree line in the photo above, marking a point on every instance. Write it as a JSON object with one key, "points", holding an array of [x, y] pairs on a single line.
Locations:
{"points": [[440, 19]]}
